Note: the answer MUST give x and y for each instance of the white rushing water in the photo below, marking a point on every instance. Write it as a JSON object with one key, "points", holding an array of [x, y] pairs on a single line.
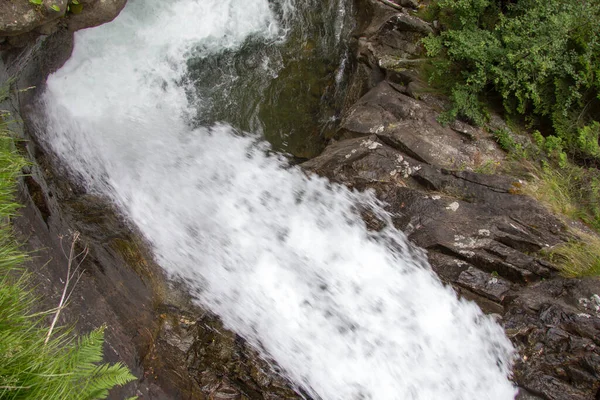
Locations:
{"points": [[283, 259]]}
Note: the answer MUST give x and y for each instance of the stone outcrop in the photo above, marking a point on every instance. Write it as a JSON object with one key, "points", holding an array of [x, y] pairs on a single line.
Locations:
{"points": [[19, 17], [22, 21], [482, 235]]}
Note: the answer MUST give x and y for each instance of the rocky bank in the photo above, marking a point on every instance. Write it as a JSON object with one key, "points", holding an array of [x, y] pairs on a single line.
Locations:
{"points": [[483, 236]]}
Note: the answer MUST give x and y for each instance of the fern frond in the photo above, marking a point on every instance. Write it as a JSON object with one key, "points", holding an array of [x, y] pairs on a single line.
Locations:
{"points": [[104, 378], [87, 352]]}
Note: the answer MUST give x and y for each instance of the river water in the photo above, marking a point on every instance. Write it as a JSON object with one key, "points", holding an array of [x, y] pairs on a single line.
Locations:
{"points": [[140, 115]]}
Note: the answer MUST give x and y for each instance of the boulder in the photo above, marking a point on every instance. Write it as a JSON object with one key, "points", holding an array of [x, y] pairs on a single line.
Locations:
{"points": [[410, 125], [94, 13], [21, 22], [17, 17]]}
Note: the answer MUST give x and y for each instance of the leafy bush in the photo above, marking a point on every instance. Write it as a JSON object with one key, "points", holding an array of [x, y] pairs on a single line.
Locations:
{"points": [[34, 363], [587, 140], [541, 56]]}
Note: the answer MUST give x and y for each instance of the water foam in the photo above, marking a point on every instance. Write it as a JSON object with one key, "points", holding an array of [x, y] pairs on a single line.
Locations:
{"points": [[283, 258]]}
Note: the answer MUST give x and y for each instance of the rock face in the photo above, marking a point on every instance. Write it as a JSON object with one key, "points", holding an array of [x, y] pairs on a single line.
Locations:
{"points": [[483, 236], [555, 326]]}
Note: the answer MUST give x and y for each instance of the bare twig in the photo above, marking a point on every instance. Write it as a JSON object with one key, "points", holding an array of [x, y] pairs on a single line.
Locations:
{"points": [[72, 274]]}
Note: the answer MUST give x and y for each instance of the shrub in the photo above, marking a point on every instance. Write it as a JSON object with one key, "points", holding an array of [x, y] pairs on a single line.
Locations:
{"points": [[542, 57], [587, 141]]}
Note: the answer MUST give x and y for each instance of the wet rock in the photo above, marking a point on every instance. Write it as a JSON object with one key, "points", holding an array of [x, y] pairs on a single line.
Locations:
{"points": [[488, 285], [408, 23], [525, 395], [371, 15], [390, 40], [484, 240], [464, 128], [558, 339], [226, 367], [482, 236]]}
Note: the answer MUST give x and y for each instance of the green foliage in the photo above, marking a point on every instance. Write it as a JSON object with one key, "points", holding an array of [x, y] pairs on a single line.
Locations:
{"points": [[429, 13], [74, 7], [507, 142], [551, 147], [490, 167], [434, 45], [32, 367], [588, 139], [542, 57], [464, 12], [505, 139], [56, 7], [538, 138]]}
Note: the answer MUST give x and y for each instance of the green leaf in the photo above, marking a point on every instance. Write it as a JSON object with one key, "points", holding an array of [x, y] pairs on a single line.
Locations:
{"points": [[75, 8], [55, 7], [36, 2], [74, 1]]}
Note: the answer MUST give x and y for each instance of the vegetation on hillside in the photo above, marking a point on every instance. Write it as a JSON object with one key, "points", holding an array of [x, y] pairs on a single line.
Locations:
{"points": [[38, 361], [541, 60]]}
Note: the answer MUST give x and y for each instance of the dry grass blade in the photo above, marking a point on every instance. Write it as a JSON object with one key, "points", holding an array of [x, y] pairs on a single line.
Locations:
{"points": [[578, 258], [73, 276]]}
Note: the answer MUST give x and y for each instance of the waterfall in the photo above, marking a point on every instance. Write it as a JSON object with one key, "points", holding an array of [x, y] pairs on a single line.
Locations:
{"points": [[283, 258]]}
